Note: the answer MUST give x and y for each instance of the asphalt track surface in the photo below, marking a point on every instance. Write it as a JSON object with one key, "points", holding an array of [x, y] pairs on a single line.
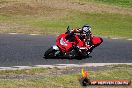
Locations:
{"points": [[28, 50]]}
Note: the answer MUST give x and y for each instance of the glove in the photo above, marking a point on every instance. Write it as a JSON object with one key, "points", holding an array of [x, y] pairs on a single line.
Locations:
{"points": [[71, 34]]}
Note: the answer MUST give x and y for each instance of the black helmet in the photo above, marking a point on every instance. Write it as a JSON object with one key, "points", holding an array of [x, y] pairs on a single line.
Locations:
{"points": [[86, 28]]}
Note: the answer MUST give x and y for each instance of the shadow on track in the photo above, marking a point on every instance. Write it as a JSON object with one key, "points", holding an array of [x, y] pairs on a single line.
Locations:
{"points": [[68, 58]]}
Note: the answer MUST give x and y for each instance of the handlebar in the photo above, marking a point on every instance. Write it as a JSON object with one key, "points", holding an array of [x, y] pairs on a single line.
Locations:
{"points": [[68, 30]]}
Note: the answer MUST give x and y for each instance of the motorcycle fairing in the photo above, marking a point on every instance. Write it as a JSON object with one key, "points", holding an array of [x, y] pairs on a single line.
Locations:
{"points": [[96, 40], [63, 44], [55, 47], [80, 43]]}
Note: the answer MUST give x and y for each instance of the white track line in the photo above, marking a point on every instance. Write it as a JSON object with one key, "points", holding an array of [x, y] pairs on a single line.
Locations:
{"points": [[129, 39], [33, 34], [44, 66], [13, 33], [61, 66], [114, 38], [40, 34]]}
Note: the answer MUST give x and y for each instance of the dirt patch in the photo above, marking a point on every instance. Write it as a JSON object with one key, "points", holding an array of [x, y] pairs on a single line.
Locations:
{"points": [[57, 7], [53, 72], [13, 28], [21, 8], [78, 5]]}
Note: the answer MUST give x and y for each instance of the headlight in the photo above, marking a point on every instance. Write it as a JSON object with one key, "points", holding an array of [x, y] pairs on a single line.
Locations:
{"points": [[62, 42]]}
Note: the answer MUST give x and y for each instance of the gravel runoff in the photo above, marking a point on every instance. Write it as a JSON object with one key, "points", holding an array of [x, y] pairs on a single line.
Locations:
{"points": [[59, 70]]}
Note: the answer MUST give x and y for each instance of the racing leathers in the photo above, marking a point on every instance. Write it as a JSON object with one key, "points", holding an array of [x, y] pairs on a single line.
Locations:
{"points": [[84, 37]]}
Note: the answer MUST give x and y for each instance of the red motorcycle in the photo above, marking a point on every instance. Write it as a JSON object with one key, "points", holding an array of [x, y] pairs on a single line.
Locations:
{"points": [[74, 47]]}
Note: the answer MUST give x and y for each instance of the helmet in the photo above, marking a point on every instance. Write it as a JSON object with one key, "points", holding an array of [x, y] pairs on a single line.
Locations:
{"points": [[86, 28]]}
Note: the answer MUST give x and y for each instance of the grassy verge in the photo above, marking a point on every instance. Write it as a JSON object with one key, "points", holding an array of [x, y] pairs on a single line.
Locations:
{"points": [[28, 17], [71, 80], [103, 24], [23, 71], [122, 3]]}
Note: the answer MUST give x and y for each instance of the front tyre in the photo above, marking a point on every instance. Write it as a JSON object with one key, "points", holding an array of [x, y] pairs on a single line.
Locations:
{"points": [[50, 53]]}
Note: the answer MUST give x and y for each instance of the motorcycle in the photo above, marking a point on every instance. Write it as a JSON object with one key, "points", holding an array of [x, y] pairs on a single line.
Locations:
{"points": [[73, 48]]}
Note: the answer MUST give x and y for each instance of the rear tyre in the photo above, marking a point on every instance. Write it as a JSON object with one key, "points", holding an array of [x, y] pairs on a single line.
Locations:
{"points": [[50, 53]]}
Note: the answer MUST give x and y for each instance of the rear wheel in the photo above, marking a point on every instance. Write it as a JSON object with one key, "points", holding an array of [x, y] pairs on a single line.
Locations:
{"points": [[50, 53]]}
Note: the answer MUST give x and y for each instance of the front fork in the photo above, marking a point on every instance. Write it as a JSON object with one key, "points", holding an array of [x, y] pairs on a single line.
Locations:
{"points": [[56, 48]]}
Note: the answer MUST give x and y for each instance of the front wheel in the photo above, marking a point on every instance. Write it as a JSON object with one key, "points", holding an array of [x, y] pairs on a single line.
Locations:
{"points": [[50, 53]]}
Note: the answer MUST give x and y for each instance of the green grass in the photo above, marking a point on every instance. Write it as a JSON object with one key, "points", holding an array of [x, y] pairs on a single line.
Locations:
{"points": [[103, 24], [122, 3], [110, 25], [71, 80], [24, 71]]}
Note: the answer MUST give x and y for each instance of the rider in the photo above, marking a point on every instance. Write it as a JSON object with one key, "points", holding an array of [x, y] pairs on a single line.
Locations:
{"points": [[85, 35]]}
